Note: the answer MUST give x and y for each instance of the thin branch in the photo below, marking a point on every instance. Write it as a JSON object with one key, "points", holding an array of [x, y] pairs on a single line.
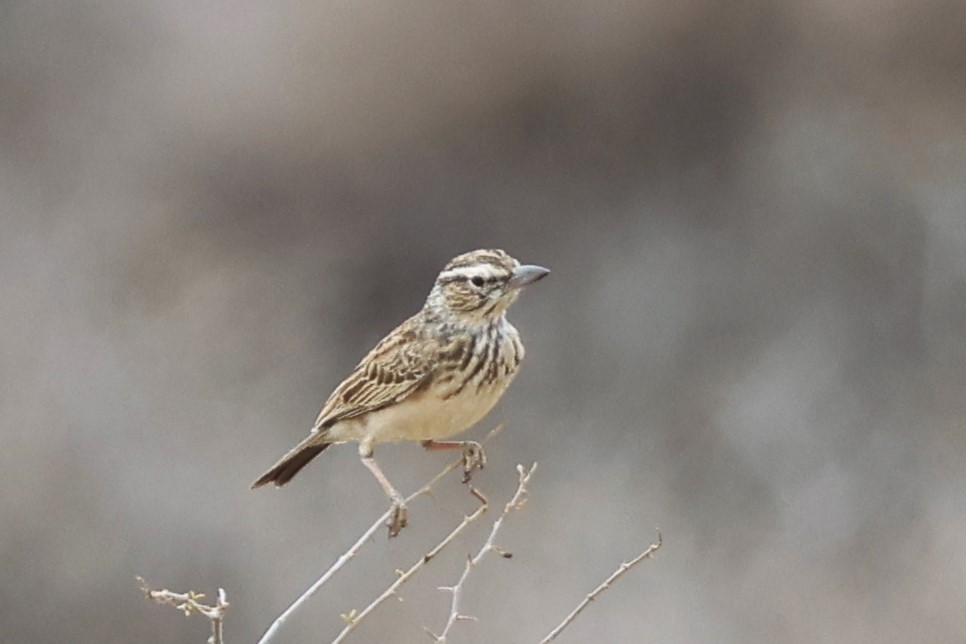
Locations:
{"points": [[357, 546], [624, 567], [516, 502], [346, 557], [352, 619], [190, 602]]}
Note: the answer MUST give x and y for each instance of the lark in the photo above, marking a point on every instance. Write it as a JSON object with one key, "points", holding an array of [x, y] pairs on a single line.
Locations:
{"points": [[432, 377]]}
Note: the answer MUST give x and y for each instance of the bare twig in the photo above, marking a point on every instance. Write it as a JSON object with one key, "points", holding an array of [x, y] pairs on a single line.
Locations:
{"points": [[345, 557], [516, 502], [624, 567], [353, 618], [357, 546], [190, 602]]}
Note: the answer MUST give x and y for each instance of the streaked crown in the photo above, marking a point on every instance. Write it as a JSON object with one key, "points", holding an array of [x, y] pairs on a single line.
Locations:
{"points": [[481, 284]]}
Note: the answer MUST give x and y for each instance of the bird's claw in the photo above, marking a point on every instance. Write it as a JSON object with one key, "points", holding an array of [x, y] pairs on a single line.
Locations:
{"points": [[398, 518], [474, 458]]}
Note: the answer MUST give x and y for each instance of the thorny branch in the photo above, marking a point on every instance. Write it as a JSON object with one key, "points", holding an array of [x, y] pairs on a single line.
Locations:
{"points": [[353, 618], [190, 602], [623, 568], [516, 502], [357, 546]]}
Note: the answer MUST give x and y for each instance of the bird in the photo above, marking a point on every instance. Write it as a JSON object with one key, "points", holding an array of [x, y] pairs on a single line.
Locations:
{"points": [[432, 377]]}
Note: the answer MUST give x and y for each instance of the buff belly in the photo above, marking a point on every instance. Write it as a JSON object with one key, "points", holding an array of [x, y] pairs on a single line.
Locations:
{"points": [[423, 417]]}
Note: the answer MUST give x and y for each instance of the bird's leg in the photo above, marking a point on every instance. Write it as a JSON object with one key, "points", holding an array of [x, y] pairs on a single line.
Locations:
{"points": [[473, 455], [398, 516]]}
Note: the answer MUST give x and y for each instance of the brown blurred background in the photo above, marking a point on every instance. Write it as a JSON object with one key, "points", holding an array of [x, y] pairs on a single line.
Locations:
{"points": [[753, 336]]}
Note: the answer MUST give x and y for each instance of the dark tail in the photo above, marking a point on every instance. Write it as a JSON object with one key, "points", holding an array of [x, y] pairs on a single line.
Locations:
{"points": [[290, 464]]}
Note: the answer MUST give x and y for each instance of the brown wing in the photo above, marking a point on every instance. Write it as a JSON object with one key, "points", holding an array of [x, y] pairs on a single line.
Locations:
{"points": [[398, 366]]}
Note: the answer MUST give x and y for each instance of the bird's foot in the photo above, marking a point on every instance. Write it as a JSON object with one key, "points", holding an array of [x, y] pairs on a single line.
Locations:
{"points": [[398, 518], [474, 458]]}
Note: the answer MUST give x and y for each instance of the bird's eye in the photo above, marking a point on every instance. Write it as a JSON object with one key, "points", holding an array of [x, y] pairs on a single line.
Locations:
{"points": [[477, 281]]}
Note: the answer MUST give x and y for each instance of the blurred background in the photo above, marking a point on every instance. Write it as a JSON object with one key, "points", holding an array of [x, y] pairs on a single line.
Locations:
{"points": [[753, 336]]}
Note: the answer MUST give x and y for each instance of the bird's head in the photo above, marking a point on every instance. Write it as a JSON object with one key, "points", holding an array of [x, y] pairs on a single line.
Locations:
{"points": [[480, 285]]}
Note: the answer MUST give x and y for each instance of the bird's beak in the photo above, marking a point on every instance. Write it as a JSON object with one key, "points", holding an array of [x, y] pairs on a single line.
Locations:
{"points": [[527, 274]]}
